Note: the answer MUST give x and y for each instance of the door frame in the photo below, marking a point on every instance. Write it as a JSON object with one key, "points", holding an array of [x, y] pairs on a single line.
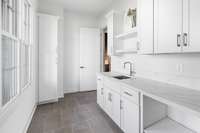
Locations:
{"points": [[102, 47]]}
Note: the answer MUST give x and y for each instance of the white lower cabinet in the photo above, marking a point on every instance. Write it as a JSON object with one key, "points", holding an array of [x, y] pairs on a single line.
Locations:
{"points": [[121, 105], [129, 116], [112, 105], [101, 97], [100, 92], [108, 102], [116, 107]]}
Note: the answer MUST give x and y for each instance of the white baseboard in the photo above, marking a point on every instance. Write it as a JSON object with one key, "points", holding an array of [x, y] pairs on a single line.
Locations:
{"points": [[70, 91], [29, 119], [48, 101], [61, 96]]}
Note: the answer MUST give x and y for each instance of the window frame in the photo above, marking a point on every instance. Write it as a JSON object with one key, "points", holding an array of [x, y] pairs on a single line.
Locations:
{"points": [[15, 33], [25, 40]]}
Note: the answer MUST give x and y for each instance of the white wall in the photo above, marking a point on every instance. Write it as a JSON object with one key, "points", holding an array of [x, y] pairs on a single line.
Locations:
{"points": [[179, 69], [15, 117], [55, 10], [73, 23]]}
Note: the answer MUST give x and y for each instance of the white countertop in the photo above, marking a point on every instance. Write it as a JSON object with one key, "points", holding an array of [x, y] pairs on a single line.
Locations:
{"points": [[173, 95]]}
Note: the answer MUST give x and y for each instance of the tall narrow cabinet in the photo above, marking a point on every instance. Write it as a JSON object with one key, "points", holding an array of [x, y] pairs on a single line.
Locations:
{"points": [[48, 41]]}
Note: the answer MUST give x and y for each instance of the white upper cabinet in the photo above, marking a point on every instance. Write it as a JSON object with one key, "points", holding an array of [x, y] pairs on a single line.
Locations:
{"points": [[113, 28], [111, 32], [145, 23], [110, 25], [167, 26], [191, 26]]}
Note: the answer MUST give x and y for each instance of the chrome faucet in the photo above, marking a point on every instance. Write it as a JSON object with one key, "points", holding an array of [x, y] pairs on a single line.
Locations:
{"points": [[132, 73]]}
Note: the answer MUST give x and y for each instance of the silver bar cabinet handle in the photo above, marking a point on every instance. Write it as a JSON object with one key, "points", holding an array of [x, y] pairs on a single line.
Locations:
{"points": [[178, 40], [128, 94], [102, 91], [121, 104], [185, 40]]}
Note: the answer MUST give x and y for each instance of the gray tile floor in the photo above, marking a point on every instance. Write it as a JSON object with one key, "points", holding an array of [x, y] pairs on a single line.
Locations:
{"points": [[76, 113]]}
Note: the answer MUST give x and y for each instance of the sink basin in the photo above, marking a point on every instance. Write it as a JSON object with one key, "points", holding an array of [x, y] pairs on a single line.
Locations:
{"points": [[121, 77]]}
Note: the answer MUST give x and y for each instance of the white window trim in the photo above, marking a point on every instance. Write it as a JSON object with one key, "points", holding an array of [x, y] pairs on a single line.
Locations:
{"points": [[18, 39], [12, 101]]}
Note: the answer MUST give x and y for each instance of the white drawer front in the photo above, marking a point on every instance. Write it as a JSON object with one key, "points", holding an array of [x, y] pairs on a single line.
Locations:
{"points": [[130, 94], [109, 83]]}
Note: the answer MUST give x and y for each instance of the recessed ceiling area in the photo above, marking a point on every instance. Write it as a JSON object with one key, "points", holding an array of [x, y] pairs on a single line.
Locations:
{"points": [[94, 7]]}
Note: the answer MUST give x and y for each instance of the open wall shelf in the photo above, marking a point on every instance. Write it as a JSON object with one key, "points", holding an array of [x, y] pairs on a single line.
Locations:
{"points": [[167, 126], [157, 119], [124, 51], [127, 35]]}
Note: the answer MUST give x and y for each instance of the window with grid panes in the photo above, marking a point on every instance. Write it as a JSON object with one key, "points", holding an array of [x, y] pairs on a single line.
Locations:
{"points": [[25, 46], [9, 50], [15, 47]]}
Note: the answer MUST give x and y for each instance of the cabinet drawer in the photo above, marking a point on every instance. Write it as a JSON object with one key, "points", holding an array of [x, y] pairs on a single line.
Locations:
{"points": [[130, 94], [100, 81], [99, 78], [109, 83]]}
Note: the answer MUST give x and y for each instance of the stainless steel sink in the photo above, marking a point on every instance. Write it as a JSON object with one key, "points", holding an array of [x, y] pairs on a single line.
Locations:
{"points": [[121, 77]]}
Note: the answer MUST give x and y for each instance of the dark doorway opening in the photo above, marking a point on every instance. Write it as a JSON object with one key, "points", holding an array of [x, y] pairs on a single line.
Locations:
{"points": [[106, 57]]}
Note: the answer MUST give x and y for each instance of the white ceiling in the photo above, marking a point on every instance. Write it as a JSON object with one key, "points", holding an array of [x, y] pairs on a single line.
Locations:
{"points": [[94, 7]]}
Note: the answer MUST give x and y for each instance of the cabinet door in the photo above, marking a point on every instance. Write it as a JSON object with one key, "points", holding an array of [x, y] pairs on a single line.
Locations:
{"points": [[129, 116], [108, 102], [110, 30], [110, 45], [48, 29], [116, 108], [191, 26], [145, 23], [167, 26], [100, 93], [112, 106], [110, 26]]}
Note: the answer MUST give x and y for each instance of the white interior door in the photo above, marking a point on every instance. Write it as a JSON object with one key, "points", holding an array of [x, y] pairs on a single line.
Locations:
{"points": [[47, 58], [89, 58]]}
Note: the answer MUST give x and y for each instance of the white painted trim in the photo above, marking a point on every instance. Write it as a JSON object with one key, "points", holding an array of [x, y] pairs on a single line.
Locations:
{"points": [[49, 101], [47, 15], [71, 91], [12, 102], [29, 119], [110, 13], [7, 34]]}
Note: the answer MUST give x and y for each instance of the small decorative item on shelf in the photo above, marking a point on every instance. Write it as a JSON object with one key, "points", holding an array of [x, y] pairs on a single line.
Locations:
{"points": [[130, 19]]}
